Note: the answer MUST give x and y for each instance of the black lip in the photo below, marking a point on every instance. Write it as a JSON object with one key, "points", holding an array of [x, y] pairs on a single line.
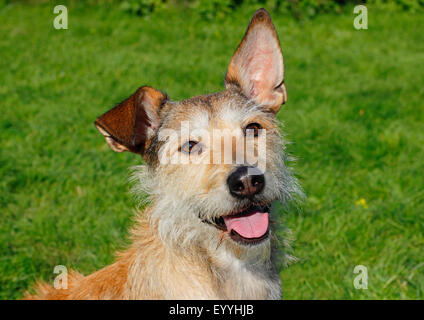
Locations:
{"points": [[251, 209], [238, 238], [218, 222]]}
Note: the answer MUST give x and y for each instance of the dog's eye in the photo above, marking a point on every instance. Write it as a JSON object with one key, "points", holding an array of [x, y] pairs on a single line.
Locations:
{"points": [[255, 127], [191, 147]]}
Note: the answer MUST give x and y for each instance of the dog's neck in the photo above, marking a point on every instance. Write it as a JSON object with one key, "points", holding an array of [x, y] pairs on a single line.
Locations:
{"points": [[159, 270]]}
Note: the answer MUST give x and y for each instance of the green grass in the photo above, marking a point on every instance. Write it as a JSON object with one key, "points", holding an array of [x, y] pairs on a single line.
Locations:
{"points": [[355, 115]]}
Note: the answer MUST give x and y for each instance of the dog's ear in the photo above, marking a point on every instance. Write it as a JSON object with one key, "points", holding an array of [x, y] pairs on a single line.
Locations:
{"points": [[257, 65], [129, 125]]}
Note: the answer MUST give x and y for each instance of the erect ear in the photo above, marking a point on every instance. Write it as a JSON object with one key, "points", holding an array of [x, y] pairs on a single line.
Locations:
{"points": [[257, 65], [129, 125]]}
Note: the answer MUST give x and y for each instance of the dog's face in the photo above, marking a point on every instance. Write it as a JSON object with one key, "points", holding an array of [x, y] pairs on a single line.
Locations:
{"points": [[215, 162]]}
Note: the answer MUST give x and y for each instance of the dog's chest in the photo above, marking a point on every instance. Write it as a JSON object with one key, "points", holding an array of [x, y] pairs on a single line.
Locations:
{"points": [[244, 280]]}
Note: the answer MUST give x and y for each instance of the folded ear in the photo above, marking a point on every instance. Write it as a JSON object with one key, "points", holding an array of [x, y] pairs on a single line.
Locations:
{"points": [[257, 65], [129, 125]]}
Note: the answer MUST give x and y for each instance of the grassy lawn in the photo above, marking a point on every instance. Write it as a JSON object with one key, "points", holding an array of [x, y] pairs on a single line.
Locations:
{"points": [[355, 116]]}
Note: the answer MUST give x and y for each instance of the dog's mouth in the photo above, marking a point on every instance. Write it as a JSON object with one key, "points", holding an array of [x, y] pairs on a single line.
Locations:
{"points": [[248, 226]]}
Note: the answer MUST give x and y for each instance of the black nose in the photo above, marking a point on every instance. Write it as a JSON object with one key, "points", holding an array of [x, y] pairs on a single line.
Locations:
{"points": [[245, 182]]}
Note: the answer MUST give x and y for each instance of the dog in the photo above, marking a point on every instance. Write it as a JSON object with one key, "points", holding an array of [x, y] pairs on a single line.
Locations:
{"points": [[206, 232]]}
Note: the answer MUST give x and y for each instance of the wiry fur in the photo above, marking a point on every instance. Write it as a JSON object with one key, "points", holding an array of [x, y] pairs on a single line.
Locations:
{"points": [[176, 253]]}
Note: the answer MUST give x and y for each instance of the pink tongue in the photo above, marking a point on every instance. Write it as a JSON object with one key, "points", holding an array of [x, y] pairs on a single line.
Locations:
{"points": [[254, 225]]}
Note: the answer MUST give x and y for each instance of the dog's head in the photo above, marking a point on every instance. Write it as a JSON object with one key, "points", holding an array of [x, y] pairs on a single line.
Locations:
{"points": [[214, 162]]}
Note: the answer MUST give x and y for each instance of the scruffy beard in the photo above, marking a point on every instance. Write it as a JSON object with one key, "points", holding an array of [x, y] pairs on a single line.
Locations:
{"points": [[179, 221]]}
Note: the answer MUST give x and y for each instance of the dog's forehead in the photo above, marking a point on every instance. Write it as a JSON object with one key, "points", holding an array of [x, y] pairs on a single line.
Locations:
{"points": [[224, 108]]}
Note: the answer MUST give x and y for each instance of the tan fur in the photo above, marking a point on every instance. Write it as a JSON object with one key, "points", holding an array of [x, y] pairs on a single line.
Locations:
{"points": [[176, 252], [135, 275]]}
